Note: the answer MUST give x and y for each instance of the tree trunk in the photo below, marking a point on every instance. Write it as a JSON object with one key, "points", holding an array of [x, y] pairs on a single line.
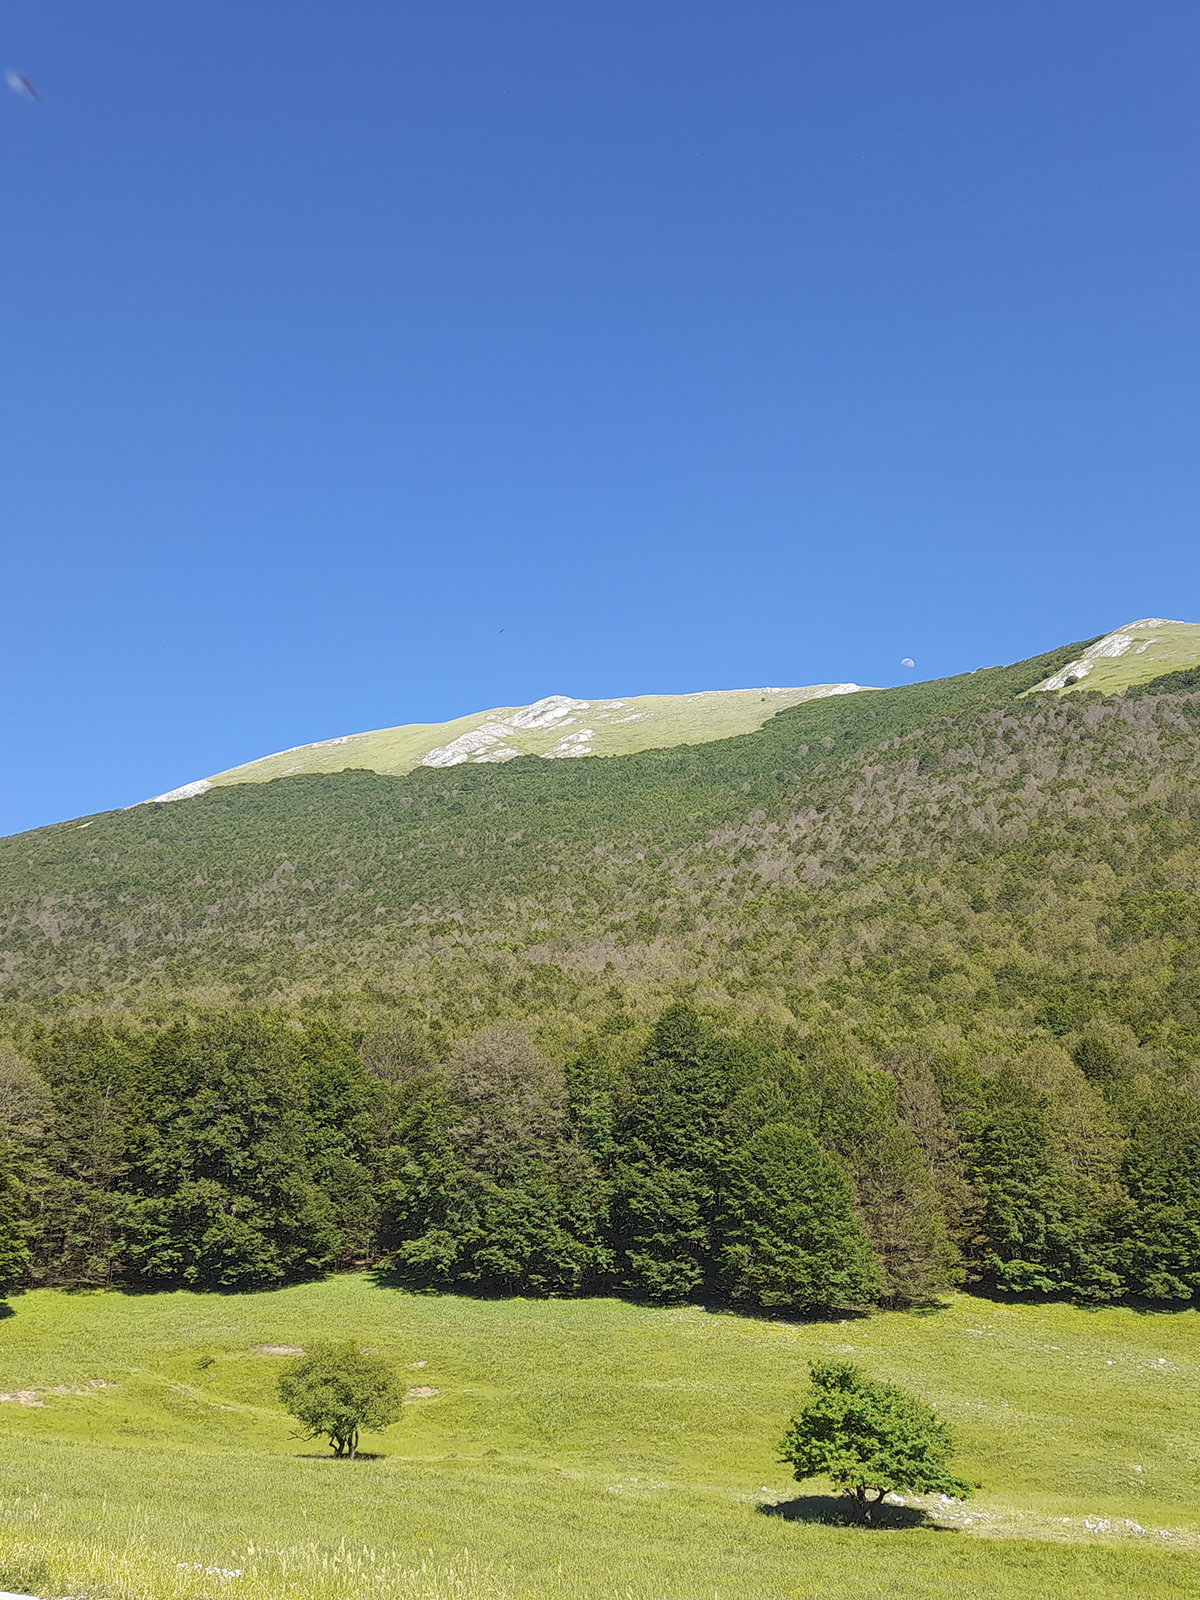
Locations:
{"points": [[869, 1505]]}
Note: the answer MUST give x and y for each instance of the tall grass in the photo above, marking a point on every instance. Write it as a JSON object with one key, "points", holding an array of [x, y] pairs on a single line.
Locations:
{"points": [[579, 1450]]}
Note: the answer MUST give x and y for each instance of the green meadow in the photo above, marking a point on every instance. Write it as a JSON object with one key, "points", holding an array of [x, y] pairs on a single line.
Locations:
{"points": [[580, 1448]]}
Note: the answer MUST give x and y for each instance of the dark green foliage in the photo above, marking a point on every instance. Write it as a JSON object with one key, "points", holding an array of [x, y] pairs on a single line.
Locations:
{"points": [[14, 1226], [245, 1167], [491, 1186], [1024, 1232], [671, 1151], [78, 1202], [226, 1153], [525, 1235], [1044, 1166], [663, 1179], [869, 1437], [335, 1390], [239, 1150], [856, 1111], [787, 1231], [1107, 1054], [1162, 1168]]}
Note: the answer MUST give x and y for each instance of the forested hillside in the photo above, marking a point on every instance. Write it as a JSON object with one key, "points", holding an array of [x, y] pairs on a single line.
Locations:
{"points": [[902, 988], [948, 856]]}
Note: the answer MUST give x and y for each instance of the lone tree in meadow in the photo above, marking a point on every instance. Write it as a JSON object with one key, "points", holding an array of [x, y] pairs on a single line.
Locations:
{"points": [[336, 1389], [870, 1438]]}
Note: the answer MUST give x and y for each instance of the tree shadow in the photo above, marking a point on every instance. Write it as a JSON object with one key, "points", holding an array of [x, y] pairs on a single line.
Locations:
{"points": [[137, 1288], [932, 1307], [839, 1511], [996, 1294], [792, 1316], [339, 1461], [410, 1280]]}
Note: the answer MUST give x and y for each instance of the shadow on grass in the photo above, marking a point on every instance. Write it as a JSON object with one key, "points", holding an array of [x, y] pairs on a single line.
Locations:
{"points": [[410, 1281], [997, 1294], [788, 1315], [339, 1461], [141, 1288], [839, 1511]]}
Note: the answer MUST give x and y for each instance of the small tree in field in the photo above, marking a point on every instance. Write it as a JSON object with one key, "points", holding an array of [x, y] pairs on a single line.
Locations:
{"points": [[869, 1438], [336, 1389]]}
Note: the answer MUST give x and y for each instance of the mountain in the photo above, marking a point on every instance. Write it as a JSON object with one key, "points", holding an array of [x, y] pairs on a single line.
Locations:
{"points": [[558, 726], [973, 858], [555, 727], [1135, 654]]}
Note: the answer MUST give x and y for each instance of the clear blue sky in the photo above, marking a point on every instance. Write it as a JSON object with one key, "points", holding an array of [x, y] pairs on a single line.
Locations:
{"points": [[693, 345]]}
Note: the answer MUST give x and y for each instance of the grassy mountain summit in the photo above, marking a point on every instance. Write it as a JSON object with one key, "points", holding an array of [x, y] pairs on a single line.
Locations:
{"points": [[555, 727], [1134, 654]]}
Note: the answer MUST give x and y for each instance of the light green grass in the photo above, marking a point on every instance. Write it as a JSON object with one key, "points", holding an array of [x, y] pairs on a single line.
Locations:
{"points": [[575, 1449], [1136, 653], [562, 729]]}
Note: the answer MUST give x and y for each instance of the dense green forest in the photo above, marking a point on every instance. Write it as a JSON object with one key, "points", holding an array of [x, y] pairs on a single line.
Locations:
{"points": [[240, 1150], [902, 989]]}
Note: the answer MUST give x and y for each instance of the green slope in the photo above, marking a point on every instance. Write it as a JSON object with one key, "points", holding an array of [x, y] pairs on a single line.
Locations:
{"points": [[556, 727], [1135, 654], [582, 1450], [956, 856]]}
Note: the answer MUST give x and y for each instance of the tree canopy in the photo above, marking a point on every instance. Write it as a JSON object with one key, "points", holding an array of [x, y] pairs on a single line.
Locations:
{"points": [[697, 1159], [869, 1438], [336, 1390]]}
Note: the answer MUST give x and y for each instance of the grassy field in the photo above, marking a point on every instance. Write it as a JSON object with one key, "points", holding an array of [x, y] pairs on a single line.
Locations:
{"points": [[587, 1448]]}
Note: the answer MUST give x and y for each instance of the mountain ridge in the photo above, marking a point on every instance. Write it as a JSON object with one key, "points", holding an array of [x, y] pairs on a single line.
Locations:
{"points": [[550, 728], [1122, 660], [554, 727]]}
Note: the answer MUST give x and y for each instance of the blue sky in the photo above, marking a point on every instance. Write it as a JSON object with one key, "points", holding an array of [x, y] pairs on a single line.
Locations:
{"points": [[691, 345]]}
